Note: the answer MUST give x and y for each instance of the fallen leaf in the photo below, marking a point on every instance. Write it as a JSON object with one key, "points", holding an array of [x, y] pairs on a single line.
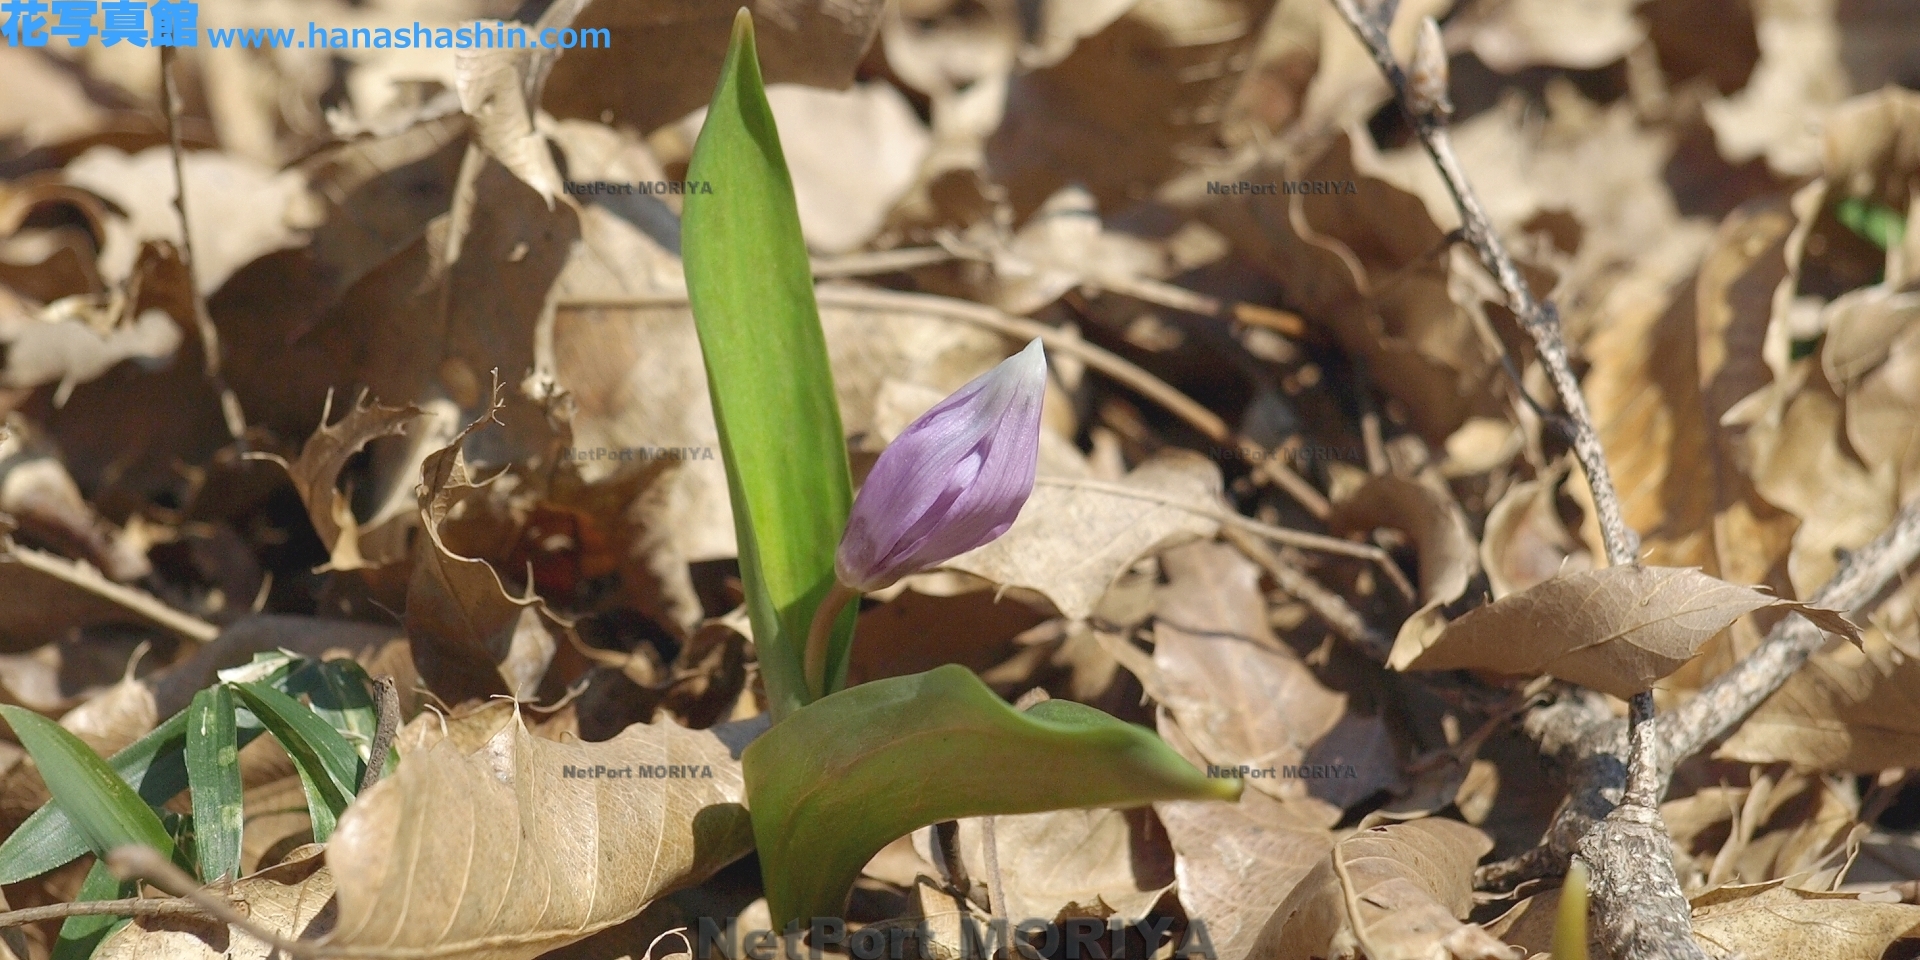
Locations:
{"points": [[316, 472], [502, 854], [1073, 863], [53, 595], [1617, 629], [1071, 542], [470, 638], [1775, 920], [661, 56], [1242, 698], [291, 898], [1410, 885]]}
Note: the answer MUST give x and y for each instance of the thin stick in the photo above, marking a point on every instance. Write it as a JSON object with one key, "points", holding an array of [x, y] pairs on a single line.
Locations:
{"points": [[203, 321], [387, 700], [1326, 604], [846, 296], [1294, 538], [130, 907], [1656, 921], [135, 862]]}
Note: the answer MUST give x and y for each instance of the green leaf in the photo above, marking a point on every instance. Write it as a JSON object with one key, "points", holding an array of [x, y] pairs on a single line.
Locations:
{"points": [[107, 811], [751, 290], [328, 765], [213, 776], [80, 936], [836, 781], [1875, 222], [341, 693]]}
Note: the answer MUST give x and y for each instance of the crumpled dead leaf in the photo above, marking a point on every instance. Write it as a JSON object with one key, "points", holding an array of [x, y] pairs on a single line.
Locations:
{"points": [[316, 471], [470, 638], [1616, 629]]}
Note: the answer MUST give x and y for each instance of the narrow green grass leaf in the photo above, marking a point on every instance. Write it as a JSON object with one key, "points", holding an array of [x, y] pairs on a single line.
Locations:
{"points": [[328, 765], [841, 778], [213, 777], [106, 810], [1570, 925], [341, 693], [751, 290], [1875, 222], [80, 936]]}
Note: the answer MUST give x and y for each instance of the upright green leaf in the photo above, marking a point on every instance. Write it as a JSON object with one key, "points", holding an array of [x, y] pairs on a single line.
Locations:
{"points": [[213, 776], [105, 809], [843, 777], [79, 936], [329, 766], [751, 289]]}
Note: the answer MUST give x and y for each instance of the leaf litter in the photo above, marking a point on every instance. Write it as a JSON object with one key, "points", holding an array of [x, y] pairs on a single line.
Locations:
{"points": [[1720, 208]]}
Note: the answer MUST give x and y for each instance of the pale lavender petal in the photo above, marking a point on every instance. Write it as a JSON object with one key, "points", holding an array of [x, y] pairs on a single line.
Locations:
{"points": [[952, 481]]}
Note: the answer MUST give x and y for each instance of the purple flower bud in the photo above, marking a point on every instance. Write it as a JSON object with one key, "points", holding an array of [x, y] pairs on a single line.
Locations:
{"points": [[952, 481]]}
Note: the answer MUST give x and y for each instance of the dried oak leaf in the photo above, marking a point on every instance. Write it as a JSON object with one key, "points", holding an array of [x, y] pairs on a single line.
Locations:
{"points": [[500, 855], [1616, 630], [1409, 885], [318, 467]]}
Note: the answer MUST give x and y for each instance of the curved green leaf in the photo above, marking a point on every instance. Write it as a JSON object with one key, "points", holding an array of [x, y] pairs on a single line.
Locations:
{"points": [[836, 781], [80, 936], [751, 290], [328, 765], [107, 811]]}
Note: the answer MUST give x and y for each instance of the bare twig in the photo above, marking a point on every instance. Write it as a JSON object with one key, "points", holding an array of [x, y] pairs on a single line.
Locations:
{"points": [[1580, 734], [1115, 367], [130, 907], [387, 701], [1326, 604], [1638, 905], [209, 335], [1290, 537]]}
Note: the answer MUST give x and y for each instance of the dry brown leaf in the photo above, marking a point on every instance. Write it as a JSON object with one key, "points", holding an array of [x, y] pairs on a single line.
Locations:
{"points": [[1515, 34], [248, 203], [1773, 920], [470, 638], [663, 55], [1425, 511], [1242, 698], [114, 717], [500, 855], [1071, 542], [1235, 862], [1617, 630], [289, 898], [50, 596], [1411, 884], [1848, 709], [78, 339], [1799, 77], [1526, 543], [316, 471], [1073, 863], [41, 497]]}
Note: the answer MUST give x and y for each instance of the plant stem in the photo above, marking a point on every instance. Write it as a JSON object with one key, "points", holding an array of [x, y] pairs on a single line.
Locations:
{"points": [[836, 600]]}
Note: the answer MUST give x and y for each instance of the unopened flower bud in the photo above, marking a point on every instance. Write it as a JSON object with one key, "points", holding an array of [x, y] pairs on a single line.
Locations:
{"points": [[1427, 77], [952, 481]]}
